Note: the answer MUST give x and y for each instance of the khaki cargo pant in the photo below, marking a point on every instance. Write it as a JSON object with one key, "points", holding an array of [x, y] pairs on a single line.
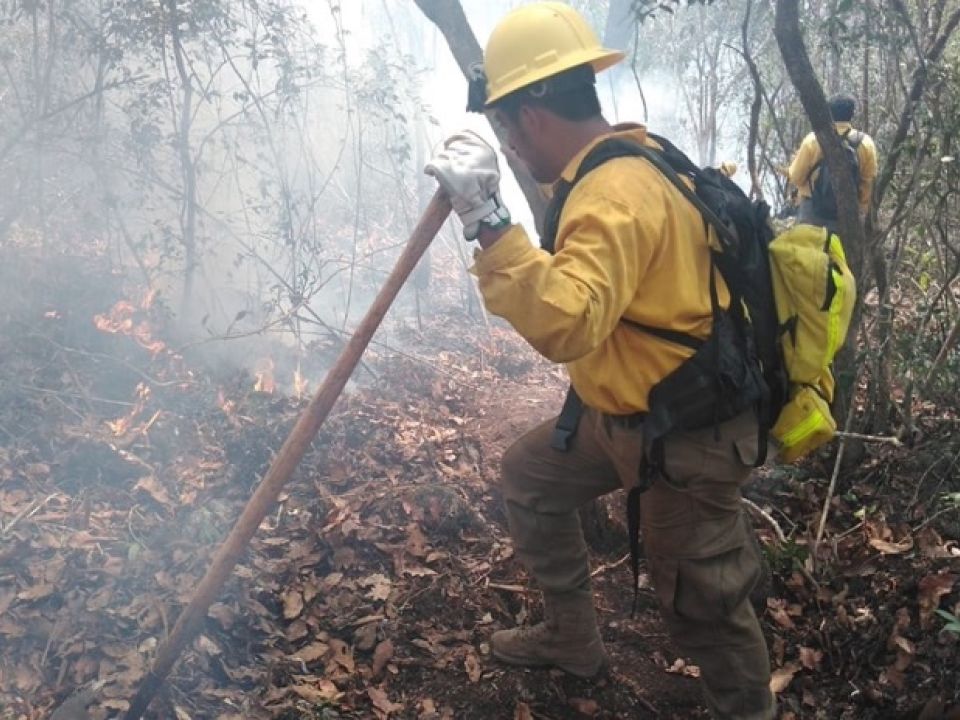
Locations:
{"points": [[700, 556]]}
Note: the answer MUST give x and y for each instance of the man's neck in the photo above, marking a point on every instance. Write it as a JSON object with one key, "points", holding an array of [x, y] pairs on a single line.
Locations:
{"points": [[572, 137]]}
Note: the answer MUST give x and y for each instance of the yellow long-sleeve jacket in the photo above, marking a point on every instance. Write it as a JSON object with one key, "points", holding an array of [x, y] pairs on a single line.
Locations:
{"points": [[628, 245], [803, 170]]}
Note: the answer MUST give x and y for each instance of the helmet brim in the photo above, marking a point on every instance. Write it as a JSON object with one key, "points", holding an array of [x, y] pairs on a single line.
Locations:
{"points": [[600, 59]]}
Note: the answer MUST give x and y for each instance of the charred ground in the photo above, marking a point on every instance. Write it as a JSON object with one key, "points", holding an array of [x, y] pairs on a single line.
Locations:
{"points": [[373, 588]]}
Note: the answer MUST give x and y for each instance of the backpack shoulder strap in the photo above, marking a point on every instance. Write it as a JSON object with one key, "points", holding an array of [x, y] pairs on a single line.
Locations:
{"points": [[601, 153], [670, 161], [851, 137]]}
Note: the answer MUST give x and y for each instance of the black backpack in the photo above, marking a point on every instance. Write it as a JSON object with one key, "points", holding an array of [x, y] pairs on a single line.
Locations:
{"points": [[748, 329], [822, 193], [740, 365]]}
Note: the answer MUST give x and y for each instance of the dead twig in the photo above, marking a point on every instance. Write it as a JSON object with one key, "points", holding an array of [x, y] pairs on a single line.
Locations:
{"points": [[610, 566], [843, 434], [74, 396], [27, 512], [833, 478], [781, 537], [766, 517], [518, 589]]}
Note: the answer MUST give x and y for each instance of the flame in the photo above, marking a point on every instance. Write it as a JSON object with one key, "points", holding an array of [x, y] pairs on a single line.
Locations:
{"points": [[228, 406], [264, 376], [122, 425], [120, 321], [300, 383]]}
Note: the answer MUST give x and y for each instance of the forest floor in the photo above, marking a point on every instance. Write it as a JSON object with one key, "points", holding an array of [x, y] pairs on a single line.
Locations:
{"points": [[372, 589]]}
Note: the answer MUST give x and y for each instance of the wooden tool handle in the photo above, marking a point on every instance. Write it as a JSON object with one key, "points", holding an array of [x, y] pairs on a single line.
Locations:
{"points": [[286, 461]]}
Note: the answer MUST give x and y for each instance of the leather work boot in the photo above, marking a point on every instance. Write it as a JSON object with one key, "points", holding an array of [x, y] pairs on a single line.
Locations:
{"points": [[567, 637]]}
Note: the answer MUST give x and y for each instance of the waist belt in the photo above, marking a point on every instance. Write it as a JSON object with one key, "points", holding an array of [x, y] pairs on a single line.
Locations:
{"points": [[566, 426]]}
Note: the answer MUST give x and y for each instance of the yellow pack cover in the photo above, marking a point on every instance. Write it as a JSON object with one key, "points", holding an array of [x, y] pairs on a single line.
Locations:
{"points": [[815, 293], [804, 424]]}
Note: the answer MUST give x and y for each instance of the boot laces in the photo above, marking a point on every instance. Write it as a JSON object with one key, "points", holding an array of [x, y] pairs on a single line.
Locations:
{"points": [[536, 632]]}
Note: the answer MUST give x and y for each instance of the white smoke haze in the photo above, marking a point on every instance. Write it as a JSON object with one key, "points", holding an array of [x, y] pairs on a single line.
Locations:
{"points": [[304, 198]]}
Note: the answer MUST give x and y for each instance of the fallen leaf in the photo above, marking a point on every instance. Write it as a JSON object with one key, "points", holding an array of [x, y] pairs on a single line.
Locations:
{"points": [[297, 630], [590, 708], [153, 488], [342, 655], [379, 585], [37, 592], [417, 543], [207, 646], [320, 691], [781, 678], [810, 657], [472, 665], [312, 652], [223, 614], [778, 611], [6, 599], [931, 544], [428, 706], [680, 667], [890, 548], [418, 571], [894, 677], [381, 656], [27, 679], [905, 645], [292, 604], [382, 702], [931, 589], [36, 471]]}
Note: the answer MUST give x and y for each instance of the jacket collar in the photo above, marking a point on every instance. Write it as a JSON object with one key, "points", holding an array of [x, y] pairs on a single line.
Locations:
{"points": [[632, 131]]}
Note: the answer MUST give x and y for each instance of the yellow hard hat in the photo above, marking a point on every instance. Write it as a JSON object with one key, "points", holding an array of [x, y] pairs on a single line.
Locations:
{"points": [[537, 41]]}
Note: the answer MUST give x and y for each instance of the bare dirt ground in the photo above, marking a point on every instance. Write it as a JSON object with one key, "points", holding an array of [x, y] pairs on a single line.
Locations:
{"points": [[373, 588]]}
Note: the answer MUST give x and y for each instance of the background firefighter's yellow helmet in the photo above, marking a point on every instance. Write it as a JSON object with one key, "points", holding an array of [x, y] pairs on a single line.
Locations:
{"points": [[537, 41]]}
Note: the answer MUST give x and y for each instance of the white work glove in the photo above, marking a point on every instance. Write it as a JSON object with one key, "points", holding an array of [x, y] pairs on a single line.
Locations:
{"points": [[467, 170]]}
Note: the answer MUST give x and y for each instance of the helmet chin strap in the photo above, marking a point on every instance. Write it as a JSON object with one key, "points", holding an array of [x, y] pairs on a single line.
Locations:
{"points": [[476, 89]]}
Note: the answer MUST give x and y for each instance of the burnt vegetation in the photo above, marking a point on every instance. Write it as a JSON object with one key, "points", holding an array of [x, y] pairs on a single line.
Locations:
{"points": [[199, 201]]}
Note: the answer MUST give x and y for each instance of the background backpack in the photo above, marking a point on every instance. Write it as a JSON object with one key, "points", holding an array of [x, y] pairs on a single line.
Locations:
{"points": [[822, 193], [815, 293]]}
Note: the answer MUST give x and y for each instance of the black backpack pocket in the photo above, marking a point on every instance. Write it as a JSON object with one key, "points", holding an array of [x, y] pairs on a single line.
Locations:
{"points": [[718, 382]]}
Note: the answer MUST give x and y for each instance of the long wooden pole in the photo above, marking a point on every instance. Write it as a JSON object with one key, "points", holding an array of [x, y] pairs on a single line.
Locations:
{"points": [[287, 459]]}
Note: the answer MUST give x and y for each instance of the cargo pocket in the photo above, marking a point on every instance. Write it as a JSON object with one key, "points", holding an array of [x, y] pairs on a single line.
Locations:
{"points": [[747, 447], [684, 458], [710, 589]]}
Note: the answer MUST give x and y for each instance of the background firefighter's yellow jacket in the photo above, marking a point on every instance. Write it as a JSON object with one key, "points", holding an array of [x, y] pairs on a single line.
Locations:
{"points": [[628, 245], [802, 172]]}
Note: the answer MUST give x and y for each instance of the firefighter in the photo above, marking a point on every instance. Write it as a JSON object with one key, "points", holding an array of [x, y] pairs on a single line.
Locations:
{"points": [[628, 246], [817, 203]]}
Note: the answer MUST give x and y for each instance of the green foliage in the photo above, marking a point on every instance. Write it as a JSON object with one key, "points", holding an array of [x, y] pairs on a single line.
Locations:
{"points": [[786, 557], [953, 622]]}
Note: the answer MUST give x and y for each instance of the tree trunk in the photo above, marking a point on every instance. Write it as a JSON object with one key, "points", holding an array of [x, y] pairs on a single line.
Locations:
{"points": [[449, 18], [756, 191], [188, 212], [797, 62]]}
